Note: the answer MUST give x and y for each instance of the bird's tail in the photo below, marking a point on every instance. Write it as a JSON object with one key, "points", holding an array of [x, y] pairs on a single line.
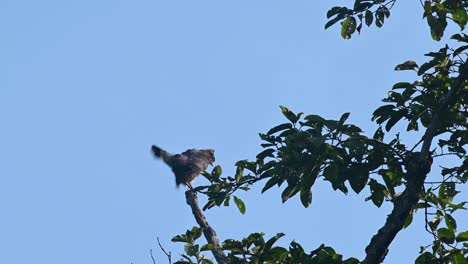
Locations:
{"points": [[161, 154]]}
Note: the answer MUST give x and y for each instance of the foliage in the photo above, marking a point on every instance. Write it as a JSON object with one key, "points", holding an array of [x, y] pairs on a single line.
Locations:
{"points": [[306, 148], [254, 249]]}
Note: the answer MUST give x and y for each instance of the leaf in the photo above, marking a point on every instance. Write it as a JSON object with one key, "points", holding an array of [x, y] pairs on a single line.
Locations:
{"points": [[306, 196], [379, 17], [369, 17], [358, 179], [335, 10], [217, 171], [463, 236], [351, 261], [343, 118], [348, 27], [272, 241], [181, 238], [266, 153], [458, 258], [460, 50], [289, 192], [240, 204], [239, 174], [379, 134], [207, 247], [209, 205], [270, 183], [425, 258], [279, 128], [460, 17], [445, 235], [402, 85], [407, 65], [290, 115], [191, 250], [382, 113], [426, 66], [395, 117], [408, 220], [450, 222], [437, 25], [460, 37]]}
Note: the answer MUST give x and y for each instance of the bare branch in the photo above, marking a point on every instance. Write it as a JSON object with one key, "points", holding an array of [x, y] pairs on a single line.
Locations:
{"points": [[208, 231], [152, 258], [169, 257]]}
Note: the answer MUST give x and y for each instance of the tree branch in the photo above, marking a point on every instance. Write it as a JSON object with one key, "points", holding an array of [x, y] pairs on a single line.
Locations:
{"points": [[208, 231], [417, 169]]}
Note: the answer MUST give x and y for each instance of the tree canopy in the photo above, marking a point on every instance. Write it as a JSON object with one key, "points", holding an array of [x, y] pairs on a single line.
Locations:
{"points": [[306, 148]]}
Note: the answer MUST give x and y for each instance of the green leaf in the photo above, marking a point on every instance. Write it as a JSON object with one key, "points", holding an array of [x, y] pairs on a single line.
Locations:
{"points": [[272, 241], [270, 183], [181, 238], [379, 134], [369, 17], [407, 65], [209, 205], [306, 196], [290, 115], [450, 222], [335, 10], [217, 171], [460, 17], [351, 261], [343, 118], [437, 25], [239, 174], [358, 179], [207, 247], [402, 85], [279, 128], [379, 17], [425, 258], [463, 236], [426, 66], [458, 258], [408, 220], [382, 113], [191, 250], [289, 192], [395, 117], [445, 235], [240, 204], [460, 37], [266, 153], [348, 27]]}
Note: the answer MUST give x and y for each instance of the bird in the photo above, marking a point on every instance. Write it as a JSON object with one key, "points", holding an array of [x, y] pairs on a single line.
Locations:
{"points": [[187, 165]]}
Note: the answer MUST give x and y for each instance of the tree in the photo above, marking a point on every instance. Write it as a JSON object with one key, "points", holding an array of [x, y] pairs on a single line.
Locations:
{"points": [[308, 147]]}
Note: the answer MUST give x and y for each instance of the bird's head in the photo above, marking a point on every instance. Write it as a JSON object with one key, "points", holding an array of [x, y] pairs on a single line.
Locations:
{"points": [[212, 157]]}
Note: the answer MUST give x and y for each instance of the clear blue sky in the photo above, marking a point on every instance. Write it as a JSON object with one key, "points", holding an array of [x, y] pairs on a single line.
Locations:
{"points": [[88, 86]]}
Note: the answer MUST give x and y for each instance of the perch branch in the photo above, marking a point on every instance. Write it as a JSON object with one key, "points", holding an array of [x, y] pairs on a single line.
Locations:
{"points": [[208, 231]]}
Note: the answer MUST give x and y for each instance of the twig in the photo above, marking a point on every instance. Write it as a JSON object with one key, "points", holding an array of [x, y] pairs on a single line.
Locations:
{"points": [[152, 258], [169, 257], [208, 231]]}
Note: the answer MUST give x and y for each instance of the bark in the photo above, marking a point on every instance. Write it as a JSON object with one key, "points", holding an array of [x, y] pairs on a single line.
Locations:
{"points": [[208, 231], [417, 169]]}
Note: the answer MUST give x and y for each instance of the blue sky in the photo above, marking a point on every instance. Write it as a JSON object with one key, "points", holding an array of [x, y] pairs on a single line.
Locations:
{"points": [[88, 86]]}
